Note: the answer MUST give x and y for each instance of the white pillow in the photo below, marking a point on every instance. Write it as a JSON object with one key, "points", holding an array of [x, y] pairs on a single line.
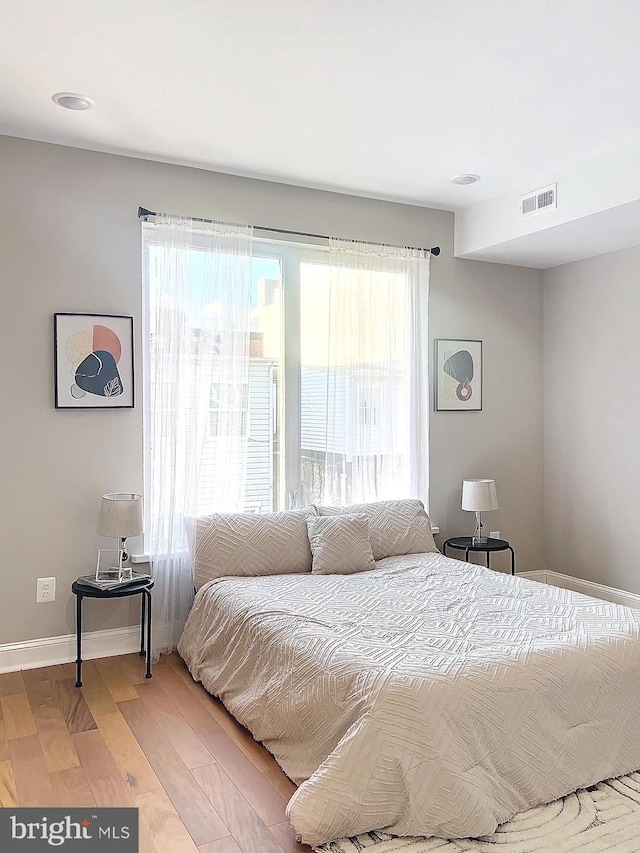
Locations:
{"points": [[395, 527], [340, 544], [250, 544]]}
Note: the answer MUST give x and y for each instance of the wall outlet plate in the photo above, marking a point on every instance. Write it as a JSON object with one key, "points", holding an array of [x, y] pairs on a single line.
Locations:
{"points": [[495, 534], [45, 590]]}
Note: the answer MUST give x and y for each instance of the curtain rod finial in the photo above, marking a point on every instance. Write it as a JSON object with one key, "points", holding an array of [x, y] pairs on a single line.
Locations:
{"points": [[435, 251]]}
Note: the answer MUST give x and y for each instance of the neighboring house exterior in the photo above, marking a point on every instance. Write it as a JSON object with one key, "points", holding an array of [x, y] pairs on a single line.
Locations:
{"points": [[348, 416], [354, 429]]}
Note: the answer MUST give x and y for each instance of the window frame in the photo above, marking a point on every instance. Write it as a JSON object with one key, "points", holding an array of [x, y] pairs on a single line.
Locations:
{"points": [[291, 255]]}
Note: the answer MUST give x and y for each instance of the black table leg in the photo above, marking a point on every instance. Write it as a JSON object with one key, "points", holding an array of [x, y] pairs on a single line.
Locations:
{"points": [[79, 598], [488, 553], [513, 561], [142, 624], [466, 555], [147, 595]]}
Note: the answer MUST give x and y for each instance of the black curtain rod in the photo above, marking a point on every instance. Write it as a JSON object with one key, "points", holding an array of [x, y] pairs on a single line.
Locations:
{"points": [[143, 213]]}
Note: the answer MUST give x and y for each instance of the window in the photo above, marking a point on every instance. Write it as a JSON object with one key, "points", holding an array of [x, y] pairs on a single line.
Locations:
{"points": [[314, 394]]}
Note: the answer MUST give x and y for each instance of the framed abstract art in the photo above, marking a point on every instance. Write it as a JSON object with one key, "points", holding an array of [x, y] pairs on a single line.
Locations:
{"points": [[93, 361], [458, 375]]}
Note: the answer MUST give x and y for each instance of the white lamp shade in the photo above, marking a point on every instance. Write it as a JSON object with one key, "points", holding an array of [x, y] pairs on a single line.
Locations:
{"points": [[479, 495], [120, 515]]}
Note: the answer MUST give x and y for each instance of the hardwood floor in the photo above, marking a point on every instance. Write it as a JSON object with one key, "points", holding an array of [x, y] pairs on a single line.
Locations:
{"points": [[200, 781]]}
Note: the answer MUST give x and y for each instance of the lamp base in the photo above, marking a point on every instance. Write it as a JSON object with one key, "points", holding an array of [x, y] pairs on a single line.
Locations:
{"points": [[479, 537]]}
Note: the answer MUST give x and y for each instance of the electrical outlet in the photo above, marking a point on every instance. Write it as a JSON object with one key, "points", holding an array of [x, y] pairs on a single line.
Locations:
{"points": [[495, 534], [45, 590]]}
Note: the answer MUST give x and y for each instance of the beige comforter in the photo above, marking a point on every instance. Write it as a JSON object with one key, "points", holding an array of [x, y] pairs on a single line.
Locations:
{"points": [[426, 697]]}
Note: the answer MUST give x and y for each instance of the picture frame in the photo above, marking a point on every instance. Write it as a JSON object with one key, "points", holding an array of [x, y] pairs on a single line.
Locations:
{"points": [[458, 375], [93, 361], [105, 568]]}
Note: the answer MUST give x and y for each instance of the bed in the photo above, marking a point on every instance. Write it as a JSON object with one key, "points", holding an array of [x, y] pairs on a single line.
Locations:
{"points": [[421, 696]]}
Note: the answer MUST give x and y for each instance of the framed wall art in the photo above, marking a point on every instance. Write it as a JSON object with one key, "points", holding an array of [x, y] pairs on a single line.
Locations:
{"points": [[93, 361], [458, 375]]}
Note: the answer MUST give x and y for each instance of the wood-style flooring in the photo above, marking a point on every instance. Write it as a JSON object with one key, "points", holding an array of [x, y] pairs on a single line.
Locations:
{"points": [[200, 781]]}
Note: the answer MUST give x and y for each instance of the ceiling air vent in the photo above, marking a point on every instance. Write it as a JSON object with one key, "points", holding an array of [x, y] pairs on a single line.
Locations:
{"points": [[539, 200]]}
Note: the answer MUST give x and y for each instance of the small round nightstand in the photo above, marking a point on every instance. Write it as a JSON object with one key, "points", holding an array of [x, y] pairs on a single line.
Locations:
{"points": [[143, 588], [466, 544]]}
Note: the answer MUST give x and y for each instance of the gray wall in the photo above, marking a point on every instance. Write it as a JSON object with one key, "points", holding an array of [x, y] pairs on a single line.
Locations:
{"points": [[70, 241], [591, 372], [502, 306]]}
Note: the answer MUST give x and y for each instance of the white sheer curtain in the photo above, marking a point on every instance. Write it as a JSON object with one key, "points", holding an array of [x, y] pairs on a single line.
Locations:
{"points": [[198, 304], [376, 378]]}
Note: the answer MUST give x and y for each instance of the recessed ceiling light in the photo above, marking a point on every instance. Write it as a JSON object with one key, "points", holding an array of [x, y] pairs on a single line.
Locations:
{"points": [[71, 101], [465, 179]]}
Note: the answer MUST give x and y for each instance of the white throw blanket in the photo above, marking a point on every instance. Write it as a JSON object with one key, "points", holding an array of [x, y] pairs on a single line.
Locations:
{"points": [[426, 697]]}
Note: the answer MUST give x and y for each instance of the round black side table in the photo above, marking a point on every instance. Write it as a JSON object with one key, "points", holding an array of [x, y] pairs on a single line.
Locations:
{"points": [[142, 588], [466, 544]]}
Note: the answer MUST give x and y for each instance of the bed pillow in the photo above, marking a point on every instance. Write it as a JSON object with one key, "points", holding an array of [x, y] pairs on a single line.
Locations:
{"points": [[340, 544], [395, 527], [251, 544]]}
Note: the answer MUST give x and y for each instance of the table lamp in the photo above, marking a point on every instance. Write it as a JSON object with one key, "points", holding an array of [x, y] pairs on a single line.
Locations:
{"points": [[121, 517], [479, 496]]}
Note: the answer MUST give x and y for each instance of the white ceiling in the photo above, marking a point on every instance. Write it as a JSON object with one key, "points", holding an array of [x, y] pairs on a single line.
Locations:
{"points": [[372, 97]]}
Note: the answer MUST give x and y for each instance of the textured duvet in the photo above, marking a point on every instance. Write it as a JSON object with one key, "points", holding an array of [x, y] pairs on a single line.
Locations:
{"points": [[425, 697]]}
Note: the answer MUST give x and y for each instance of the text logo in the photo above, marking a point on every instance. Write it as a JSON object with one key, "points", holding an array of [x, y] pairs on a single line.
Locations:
{"points": [[31, 830]]}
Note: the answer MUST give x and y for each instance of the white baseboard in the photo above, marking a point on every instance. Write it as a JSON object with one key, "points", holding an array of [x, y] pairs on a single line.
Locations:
{"points": [[534, 576], [95, 644], [53, 650], [596, 590]]}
